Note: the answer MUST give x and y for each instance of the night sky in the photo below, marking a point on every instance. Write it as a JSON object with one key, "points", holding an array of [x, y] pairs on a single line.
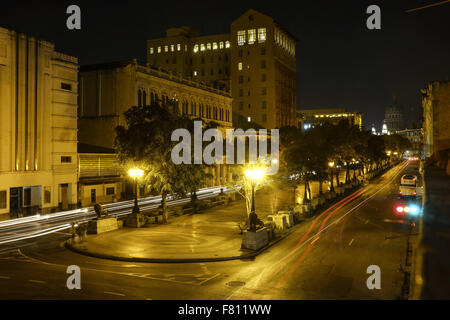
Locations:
{"points": [[340, 63]]}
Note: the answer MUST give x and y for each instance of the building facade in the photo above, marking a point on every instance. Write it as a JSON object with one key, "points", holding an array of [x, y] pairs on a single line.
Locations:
{"points": [[38, 126], [256, 61], [108, 90], [314, 117], [436, 117], [415, 136], [184, 52], [393, 118]]}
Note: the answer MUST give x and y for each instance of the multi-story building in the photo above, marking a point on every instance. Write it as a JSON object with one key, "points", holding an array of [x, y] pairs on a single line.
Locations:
{"points": [[415, 136], [38, 125], [258, 56], [263, 71], [436, 117], [108, 90], [314, 117], [184, 52], [394, 118]]}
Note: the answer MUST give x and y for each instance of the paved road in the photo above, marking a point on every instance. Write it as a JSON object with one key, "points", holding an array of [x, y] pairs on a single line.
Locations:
{"points": [[325, 257]]}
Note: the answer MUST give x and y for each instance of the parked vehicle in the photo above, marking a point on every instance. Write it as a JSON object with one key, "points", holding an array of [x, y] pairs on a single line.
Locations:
{"points": [[408, 186]]}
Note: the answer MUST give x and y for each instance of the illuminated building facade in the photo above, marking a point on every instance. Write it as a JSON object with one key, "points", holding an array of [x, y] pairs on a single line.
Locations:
{"points": [[256, 61], [415, 136], [394, 118], [184, 52], [38, 126], [314, 117], [436, 117]]}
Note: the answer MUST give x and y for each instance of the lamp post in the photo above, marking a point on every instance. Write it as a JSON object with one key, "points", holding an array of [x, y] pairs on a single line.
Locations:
{"points": [[254, 175], [331, 165], [135, 173]]}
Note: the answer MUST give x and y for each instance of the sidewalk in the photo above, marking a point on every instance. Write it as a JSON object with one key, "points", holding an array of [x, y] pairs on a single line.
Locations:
{"points": [[434, 248], [210, 235]]}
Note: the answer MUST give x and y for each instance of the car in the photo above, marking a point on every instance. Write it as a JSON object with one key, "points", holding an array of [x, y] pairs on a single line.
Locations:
{"points": [[408, 186]]}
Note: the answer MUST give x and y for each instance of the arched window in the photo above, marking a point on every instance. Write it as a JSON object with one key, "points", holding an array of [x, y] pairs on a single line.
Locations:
{"points": [[139, 97], [144, 98], [152, 98]]}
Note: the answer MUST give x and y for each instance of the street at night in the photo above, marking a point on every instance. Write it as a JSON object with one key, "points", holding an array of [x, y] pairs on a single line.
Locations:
{"points": [[233, 159]]}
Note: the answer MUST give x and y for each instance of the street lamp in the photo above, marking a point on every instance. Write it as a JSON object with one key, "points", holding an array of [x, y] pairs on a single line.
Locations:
{"points": [[254, 175], [135, 173], [331, 165]]}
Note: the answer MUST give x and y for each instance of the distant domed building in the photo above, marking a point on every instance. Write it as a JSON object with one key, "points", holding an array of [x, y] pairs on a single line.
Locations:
{"points": [[394, 117]]}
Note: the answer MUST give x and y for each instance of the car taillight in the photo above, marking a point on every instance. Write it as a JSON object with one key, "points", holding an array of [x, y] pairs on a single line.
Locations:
{"points": [[399, 209]]}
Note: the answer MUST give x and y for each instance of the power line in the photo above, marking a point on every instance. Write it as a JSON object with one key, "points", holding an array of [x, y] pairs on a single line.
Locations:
{"points": [[428, 6]]}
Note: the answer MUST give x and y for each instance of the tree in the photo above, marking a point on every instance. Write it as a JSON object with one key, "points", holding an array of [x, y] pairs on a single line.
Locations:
{"points": [[146, 143]]}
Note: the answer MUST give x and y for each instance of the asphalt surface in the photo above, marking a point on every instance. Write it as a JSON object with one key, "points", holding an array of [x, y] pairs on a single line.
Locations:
{"points": [[325, 257]]}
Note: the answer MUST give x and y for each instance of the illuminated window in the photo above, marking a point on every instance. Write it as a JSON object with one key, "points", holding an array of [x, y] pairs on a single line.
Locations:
{"points": [[178, 47], [261, 34], [227, 44], [240, 66], [241, 37], [202, 47], [251, 36], [159, 49], [214, 45], [151, 50], [196, 48], [166, 48], [172, 48], [249, 119], [221, 44], [185, 48], [195, 73], [208, 46]]}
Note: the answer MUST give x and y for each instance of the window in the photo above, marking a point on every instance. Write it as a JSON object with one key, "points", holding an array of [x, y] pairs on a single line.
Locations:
{"points": [[151, 50], [214, 45], [249, 119], [240, 53], [166, 48], [203, 60], [248, 93], [251, 36], [3, 199], [212, 59], [263, 77], [264, 118], [227, 44], [263, 51], [47, 194], [221, 44], [202, 47], [110, 191], [172, 48], [174, 60], [203, 72], [220, 71], [195, 73], [263, 64], [241, 92], [66, 86], [264, 91], [240, 66], [241, 37], [159, 49], [241, 105], [249, 105], [178, 47], [208, 46], [66, 159], [264, 105], [196, 48], [241, 79], [248, 79], [211, 72], [261, 34], [185, 48]]}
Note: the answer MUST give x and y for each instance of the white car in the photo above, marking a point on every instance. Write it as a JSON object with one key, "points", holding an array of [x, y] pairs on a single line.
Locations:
{"points": [[408, 186]]}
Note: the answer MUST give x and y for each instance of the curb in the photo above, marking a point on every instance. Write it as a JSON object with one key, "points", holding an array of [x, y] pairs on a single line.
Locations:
{"points": [[69, 246]]}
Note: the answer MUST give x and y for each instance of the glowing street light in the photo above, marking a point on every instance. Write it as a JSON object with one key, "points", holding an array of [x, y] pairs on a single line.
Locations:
{"points": [[255, 174], [331, 165], [135, 173]]}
